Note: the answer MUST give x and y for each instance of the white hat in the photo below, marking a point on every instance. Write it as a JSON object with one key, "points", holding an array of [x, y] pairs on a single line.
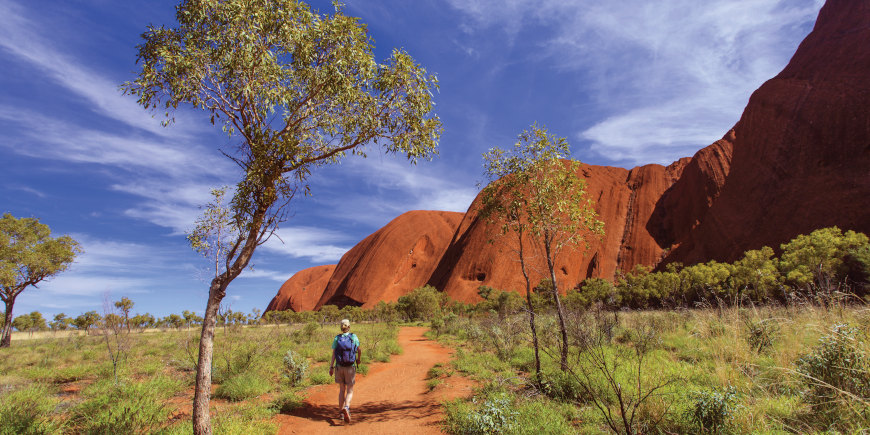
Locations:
{"points": [[345, 323]]}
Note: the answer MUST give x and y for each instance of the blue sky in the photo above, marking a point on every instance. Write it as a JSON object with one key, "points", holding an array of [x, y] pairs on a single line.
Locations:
{"points": [[627, 83]]}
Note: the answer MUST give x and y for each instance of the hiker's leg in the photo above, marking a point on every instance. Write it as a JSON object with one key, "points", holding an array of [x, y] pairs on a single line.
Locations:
{"points": [[349, 395], [341, 388]]}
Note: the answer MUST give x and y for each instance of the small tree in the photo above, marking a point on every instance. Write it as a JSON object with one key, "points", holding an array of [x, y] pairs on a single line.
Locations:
{"points": [[124, 306], [297, 90], [86, 320], [537, 196], [60, 323], [22, 323], [422, 303], [116, 332], [28, 255]]}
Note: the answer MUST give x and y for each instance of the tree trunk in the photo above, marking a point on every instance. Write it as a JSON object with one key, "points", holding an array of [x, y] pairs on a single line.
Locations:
{"points": [[6, 341], [563, 353], [202, 393], [531, 311]]}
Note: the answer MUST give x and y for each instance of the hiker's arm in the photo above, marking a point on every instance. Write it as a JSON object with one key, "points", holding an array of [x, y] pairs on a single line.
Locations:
{"points": [[332, 363], [358, 355]]}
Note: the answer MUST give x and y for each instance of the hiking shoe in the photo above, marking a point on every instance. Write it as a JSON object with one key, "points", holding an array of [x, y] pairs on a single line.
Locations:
{"points": [[345, 414], [341, 415]]}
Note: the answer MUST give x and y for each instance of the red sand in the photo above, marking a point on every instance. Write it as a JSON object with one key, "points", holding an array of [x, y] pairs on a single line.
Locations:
{"points": [[391, 399]]}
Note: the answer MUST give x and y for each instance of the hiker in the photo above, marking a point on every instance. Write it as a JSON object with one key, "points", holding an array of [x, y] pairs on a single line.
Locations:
{"points": [[345, 356]]}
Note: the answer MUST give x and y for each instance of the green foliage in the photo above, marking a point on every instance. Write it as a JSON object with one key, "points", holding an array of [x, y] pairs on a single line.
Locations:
{"points": [[761, 334], [588, 292], [127, 407], [243, 386], [295, 368], [323, 378], [87, 320], [818, 256], [837, 373], [492, 415], [28, 411], [287, 403], [561, 386], [422, 303], [60, 323], [712, 410], [28, 255], [756, 274]]}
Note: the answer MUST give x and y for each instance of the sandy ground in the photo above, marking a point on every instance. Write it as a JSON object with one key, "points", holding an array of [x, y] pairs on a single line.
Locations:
{"points": [[391, 399]]}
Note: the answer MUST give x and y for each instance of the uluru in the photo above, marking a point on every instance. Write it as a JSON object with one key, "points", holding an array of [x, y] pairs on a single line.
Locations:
{"points": [[797, 160]]}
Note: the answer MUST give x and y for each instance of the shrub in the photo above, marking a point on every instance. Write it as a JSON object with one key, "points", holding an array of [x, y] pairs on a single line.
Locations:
{"points": [[243, 386], [124, 407], [712, 410], [561, 386], [27, 411], [761, 334], [836, 372], [492, 416], [295, 368], [286, 403], [321, 378]]}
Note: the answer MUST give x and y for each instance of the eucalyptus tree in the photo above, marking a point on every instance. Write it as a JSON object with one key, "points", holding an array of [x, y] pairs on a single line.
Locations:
{"points": [[28, 255], [296, 89], [537, 198]]}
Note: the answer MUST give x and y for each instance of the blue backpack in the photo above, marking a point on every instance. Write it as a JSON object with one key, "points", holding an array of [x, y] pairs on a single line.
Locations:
{"points": [[345, 350]]}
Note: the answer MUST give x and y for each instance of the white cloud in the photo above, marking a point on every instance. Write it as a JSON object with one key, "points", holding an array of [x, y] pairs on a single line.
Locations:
{"points": [[22, 37], [318, 244], [273, 275], [394, 187], [61, 140], [668, 77]]}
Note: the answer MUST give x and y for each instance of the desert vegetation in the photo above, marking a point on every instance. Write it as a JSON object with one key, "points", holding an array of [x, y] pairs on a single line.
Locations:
{"points": [[119, 381], [766, 344]]}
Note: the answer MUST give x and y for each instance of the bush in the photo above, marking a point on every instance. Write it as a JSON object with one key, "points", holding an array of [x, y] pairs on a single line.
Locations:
{"points": [[295, 368], [761, 334], [712, 410], [561, 386], [321, 378], [837, 372], [124, 407], [286, 403], [493, 416], [243, 386], [27, 411]]}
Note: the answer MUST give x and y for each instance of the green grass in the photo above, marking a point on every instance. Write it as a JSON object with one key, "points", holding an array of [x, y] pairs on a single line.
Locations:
{"points": [[63, 385], [754, 351], [243, 386]]}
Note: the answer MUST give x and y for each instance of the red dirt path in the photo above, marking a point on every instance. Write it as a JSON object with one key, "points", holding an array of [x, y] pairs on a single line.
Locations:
{"points": [[391, 399]]}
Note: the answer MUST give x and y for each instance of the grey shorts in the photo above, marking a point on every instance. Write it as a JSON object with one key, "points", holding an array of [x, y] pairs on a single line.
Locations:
{"points": [[345, 375]]}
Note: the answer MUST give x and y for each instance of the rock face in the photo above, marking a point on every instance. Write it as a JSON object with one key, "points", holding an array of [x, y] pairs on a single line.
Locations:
{"points": [[624, 200], [798, 160], [302, 291], [391, 261], [801, 152]]}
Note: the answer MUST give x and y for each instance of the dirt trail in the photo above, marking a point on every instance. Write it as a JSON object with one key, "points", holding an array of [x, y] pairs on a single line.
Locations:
{"points": [[391, 399]]}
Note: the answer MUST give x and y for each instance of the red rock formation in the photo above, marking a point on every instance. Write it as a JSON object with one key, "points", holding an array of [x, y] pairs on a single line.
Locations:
{"points": [[391, 261], [801, 150], [302, 291], [798, 160], [624, 201]]}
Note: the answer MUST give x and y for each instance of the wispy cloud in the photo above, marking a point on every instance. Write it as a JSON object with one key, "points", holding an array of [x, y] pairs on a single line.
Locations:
{"points": [[111, 266], [317, 244], [668, 77], [394, 187], [27, 189], [268, 274], [21, 36]]}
